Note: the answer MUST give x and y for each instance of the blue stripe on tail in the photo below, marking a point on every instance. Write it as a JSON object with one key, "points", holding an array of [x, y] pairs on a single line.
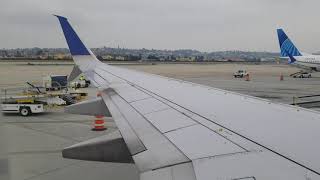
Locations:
{"points": [[76, 46], [286, 45]]}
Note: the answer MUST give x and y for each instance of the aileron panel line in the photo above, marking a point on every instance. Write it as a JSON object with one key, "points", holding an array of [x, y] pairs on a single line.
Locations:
{"points": [[206, 143], [132, 140], [159, 151]]}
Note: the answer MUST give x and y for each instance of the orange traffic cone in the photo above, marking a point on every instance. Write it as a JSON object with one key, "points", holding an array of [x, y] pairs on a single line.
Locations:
{"points": [[99, 124], [247, 77], [281, 77]]}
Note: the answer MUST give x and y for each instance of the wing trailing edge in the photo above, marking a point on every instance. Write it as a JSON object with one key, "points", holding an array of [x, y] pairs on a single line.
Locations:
{"points": [[91, 107], [107, 148]]}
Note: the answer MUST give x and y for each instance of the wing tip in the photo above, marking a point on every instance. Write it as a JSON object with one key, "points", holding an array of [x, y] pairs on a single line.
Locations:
{"points": [[60, 17]]}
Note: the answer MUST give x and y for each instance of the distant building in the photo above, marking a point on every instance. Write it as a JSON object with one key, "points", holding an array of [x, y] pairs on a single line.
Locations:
{"points": [[268, 59], [108, 57], [120, 58], [185, 59], [61, 56], [42, 57]]}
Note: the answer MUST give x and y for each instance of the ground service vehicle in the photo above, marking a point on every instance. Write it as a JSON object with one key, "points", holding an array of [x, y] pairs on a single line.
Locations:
{"points": [[80, 84], [23, 109], [240, 74], [302, 75]]}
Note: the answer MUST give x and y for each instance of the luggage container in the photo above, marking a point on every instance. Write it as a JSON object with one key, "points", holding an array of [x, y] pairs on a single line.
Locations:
{"points": [[55, 82]]}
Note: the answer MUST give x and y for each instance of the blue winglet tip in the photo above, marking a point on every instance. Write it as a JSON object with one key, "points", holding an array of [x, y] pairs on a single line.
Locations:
{"points": [[58, 16], [279, 29], [281, 33], [76, 46]]}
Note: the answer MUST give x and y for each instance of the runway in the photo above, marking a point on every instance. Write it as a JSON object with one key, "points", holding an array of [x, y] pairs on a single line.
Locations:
{"points": [[31, 146]]}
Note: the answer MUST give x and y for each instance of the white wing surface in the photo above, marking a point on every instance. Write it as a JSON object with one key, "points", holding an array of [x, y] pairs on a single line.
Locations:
{"points": [[177, 130]]}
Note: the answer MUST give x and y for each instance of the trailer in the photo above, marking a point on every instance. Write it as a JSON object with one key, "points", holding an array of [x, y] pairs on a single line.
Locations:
{"points": [[301, 74], [22, 109]]}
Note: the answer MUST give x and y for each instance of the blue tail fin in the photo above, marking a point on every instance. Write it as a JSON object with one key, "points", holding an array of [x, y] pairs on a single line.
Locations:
{"points": [[75, 44], [286, 45]]}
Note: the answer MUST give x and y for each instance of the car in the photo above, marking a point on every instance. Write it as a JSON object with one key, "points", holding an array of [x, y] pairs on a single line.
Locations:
{"points": [[303, 75], [240, 74]]}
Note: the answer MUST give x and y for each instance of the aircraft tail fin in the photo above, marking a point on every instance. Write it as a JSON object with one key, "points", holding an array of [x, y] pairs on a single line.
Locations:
{"points": [[286, 45]]}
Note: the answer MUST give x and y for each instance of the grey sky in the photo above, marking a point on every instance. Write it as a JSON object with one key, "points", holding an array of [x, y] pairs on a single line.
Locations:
{"points": [[207, 25]]}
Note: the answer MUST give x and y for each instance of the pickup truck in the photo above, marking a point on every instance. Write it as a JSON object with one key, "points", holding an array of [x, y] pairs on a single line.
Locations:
{"points": [[240, 74]]}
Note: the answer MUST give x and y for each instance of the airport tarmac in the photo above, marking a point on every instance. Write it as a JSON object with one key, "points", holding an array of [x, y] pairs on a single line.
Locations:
{"points": [[264, 79], [31, 146]]}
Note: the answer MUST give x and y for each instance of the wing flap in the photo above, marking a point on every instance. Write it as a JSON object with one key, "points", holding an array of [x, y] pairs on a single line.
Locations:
{"points": [[107, 148], [253, 165], [130, 137], [91, 107], [159, 151], [169, 120], [205, 144]]}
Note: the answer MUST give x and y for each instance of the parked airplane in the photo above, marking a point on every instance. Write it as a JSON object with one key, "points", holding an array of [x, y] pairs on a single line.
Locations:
{"points": [[294, 56], [173, 129]]}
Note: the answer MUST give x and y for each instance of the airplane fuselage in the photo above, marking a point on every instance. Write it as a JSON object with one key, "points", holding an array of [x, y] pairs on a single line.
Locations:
{"points": [[310, 61]]}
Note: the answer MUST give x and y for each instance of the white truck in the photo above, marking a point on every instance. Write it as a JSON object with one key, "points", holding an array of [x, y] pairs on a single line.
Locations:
{"points": [[240, 74], [22, 109]]}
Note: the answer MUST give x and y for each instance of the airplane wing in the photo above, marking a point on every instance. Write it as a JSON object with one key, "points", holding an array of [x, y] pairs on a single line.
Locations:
{"points": [[177, 130]]}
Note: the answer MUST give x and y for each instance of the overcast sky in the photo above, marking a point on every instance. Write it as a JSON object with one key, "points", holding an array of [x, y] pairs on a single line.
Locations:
{"points": [[206, 25]]}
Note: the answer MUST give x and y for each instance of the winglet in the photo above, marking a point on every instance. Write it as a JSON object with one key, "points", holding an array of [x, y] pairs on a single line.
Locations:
{"points": [[286, 45], [74, 42]]}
